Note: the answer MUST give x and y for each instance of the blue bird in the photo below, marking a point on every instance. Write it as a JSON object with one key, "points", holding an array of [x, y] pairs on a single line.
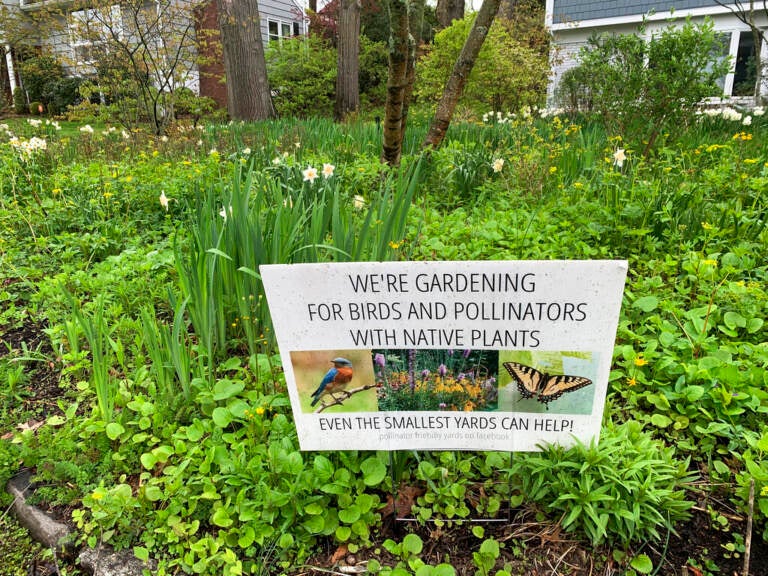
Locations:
{"points": [[335, 378]]}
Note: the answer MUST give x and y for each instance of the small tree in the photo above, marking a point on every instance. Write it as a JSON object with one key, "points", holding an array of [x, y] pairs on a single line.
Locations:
{"points": [[506, 74], [143, 51], [645, 88]]}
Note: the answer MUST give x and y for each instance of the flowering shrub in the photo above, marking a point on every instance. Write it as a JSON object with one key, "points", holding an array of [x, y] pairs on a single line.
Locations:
{"points": [[436, 379]]}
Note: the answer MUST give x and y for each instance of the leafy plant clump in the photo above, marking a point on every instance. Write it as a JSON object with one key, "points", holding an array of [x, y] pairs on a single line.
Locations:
{"points": [[623, 490]]}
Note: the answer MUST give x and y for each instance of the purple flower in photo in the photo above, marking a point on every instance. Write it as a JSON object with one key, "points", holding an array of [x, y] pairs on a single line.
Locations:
{"points": [[466, 353], [461, 376], [379, 360], [442, 370], [425, 373]]}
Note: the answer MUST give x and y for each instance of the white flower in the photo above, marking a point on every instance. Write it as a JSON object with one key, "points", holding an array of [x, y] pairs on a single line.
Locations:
{"points": [[164, 201], [498, 164], [213, 152], [276, 160], [34, 122], [731, 114], [759, 111], [36, 143], [618, 157], [223, 212], [328, 170], [246, 151], [125, 135], [358, 202], [163, 138], [309, 174], [87, 129], [747, 121]]}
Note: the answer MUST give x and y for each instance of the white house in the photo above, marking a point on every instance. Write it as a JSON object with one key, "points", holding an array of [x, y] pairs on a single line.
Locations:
{"points": [[572, 22], [75, 38]]}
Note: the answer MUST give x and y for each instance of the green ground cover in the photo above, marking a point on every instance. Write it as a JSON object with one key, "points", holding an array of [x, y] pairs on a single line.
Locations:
{"points": [[140, 382]]}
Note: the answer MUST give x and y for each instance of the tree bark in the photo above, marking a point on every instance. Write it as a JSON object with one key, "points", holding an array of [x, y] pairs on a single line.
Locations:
{"points": [[447, 11], [461, 71], [248, 93], [397, 79], [347, 75], [415, 23]]}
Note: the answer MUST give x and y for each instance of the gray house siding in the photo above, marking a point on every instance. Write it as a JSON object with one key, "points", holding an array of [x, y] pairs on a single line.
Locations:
{"points": [[282, 12], [565, 11]]}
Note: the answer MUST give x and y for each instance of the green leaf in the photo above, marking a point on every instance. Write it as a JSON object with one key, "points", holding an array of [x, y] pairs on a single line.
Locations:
{"points": [[221, 517], [221, 416], [225, 388], [141, 553], [660, 420], [148, 460], [734, 320], [754, 325], [642, 563], [646, 303], [412, 544], [153, 493], [374, 471], [343, 533], [114, 430], [350, 514]]}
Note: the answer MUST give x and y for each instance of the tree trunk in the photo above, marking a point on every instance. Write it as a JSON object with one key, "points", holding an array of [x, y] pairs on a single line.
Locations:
{"points": [[461, 71], [397, 79], [447, 11], [415, 23], [347, 83], [248, 93]]}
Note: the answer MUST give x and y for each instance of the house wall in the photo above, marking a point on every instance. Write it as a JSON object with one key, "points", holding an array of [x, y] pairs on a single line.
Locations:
{"points": [[564, 11], [280, 11], [569, 38]]}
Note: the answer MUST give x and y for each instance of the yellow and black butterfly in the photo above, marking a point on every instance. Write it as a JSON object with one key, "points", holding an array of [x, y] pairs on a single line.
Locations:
{"points": [[544, 387]]}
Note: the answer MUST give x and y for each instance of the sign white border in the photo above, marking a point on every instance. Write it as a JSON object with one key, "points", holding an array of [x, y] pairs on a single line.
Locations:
{"points": [[538, 306]]}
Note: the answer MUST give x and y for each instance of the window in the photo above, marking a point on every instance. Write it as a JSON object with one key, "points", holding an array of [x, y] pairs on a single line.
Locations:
{"points": [[279, 30], [744, 76], [91, 29]]}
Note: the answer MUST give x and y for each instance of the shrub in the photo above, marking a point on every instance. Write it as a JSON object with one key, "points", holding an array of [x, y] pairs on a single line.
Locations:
{"points": [[645, 88], [623, 489], [506, 75], [39, 73], [20, 100], [302, 75], [61, 93]]}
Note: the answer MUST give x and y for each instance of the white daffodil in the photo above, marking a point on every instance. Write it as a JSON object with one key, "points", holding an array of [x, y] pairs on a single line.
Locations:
{"points": [[164, 200], [498, 164], [618, 157], [358, 202], [309, 174], [328, 170]]}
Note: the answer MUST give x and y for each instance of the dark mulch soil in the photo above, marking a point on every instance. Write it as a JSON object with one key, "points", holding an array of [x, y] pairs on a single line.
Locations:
{"points": [[531, 548]]}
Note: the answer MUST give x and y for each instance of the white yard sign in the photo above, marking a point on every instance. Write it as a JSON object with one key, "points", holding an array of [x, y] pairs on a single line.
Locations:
{"points": [[499, 355]]}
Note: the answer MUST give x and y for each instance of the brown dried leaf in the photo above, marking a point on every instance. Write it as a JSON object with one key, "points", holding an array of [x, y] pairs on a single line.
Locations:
{"points": [[340, 553]]}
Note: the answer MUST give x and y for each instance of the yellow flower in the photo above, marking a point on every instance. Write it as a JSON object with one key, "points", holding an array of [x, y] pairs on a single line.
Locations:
{"points": [[394, 245], [56, 191], [98, 494], [631, 381], [709, 262], [706, 226], [260, 410], [640, 361], [552, 169]]}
